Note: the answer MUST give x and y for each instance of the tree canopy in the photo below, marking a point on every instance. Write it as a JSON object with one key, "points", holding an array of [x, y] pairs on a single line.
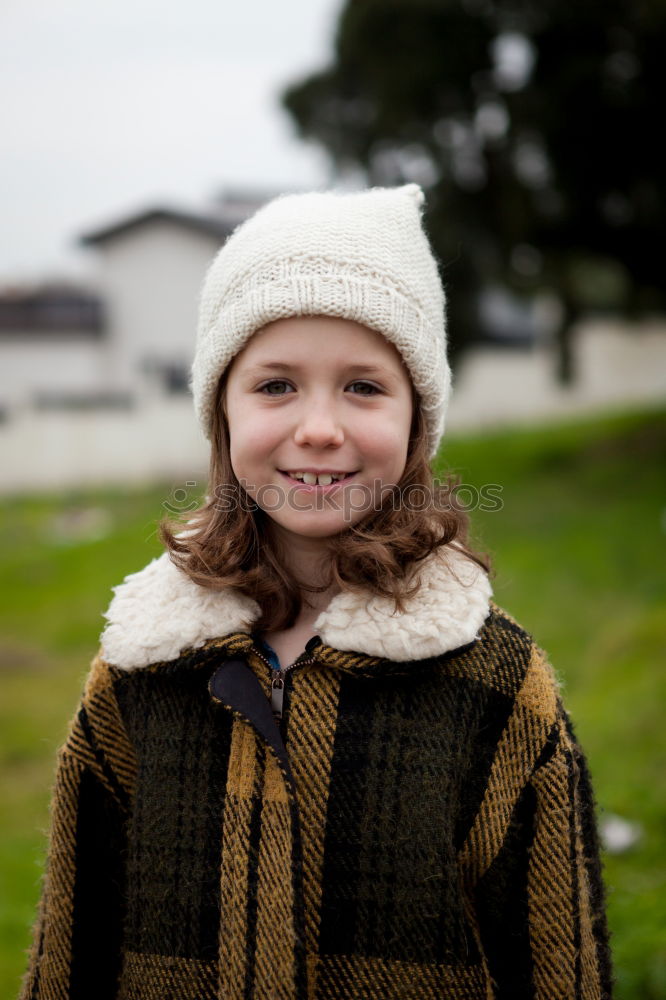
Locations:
{"points": [[535, 126]]}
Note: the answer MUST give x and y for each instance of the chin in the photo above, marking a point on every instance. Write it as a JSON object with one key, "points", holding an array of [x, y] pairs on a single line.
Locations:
{"points": [[322, 530]]}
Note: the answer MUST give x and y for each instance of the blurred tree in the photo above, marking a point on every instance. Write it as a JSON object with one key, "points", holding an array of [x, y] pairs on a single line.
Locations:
{"points": [[535, 125]]}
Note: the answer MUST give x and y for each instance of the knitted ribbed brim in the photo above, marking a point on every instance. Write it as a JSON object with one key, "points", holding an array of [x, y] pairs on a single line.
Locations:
{"points": [[361, 256]]}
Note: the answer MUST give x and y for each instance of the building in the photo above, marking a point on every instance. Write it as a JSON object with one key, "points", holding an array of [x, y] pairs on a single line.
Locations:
{"points": [[93, 382], [133, 335], [150, 268], [51, 345]]}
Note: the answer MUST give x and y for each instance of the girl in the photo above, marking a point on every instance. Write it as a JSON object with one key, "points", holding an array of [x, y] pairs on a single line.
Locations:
{"points": [[313, 758]]}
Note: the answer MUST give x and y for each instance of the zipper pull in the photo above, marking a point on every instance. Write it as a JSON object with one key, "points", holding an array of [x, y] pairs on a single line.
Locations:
{"points": [[277, 692]]}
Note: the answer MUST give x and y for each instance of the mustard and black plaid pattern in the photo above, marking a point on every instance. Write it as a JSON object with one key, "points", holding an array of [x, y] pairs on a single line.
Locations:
{"points": [[413, 830]]}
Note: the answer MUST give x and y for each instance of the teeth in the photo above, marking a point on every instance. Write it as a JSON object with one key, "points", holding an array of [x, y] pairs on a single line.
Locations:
{"points": [[310, 479]]}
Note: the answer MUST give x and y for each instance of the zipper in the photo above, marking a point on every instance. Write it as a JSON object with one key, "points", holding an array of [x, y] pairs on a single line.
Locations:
{"points": [[277, 685], [278, 678]]}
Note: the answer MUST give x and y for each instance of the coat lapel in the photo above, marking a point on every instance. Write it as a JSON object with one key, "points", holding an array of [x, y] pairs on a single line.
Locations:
{"points": [[235, 685], [158, 612]]}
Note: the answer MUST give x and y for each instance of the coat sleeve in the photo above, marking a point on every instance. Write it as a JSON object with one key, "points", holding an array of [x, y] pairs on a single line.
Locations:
{"points": [[541, 904], [76, 944]]}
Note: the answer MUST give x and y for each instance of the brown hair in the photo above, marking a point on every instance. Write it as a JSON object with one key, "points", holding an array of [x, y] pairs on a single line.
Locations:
{"points": [[231, 545]]}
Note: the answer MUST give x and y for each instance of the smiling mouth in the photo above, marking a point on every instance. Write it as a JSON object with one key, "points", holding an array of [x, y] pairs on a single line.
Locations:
{"points": [[311, 479]]}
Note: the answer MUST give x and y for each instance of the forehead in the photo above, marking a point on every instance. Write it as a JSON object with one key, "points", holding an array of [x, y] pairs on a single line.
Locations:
{"points": [[320, 339]]}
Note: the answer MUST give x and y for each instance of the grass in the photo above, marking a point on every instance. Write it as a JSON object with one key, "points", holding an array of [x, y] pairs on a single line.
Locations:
{"points": [[578, 546]]}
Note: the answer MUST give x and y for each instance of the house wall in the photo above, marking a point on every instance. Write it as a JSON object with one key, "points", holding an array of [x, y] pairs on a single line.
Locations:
{"points": [[150, 278]]}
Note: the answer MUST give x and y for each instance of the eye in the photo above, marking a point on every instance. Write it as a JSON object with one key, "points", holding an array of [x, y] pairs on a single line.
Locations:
{"points": [[276, 387], [363, 388]]}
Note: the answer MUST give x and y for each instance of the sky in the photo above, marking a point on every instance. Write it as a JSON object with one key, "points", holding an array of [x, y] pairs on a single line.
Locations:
{"points": [[110, 108]]}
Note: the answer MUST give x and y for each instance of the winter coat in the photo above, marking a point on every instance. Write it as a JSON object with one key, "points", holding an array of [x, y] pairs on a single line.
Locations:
{"points": [[419, 824]]}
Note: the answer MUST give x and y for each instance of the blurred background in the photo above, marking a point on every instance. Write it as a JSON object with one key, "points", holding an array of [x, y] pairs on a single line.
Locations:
{"points": [[133, 140]]}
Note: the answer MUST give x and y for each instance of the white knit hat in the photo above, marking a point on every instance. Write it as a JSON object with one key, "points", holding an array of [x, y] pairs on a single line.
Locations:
{"points": [[361, 256]]}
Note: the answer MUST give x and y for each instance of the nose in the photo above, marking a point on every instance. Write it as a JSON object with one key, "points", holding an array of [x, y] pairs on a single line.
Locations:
{"points": [[319, 426]]}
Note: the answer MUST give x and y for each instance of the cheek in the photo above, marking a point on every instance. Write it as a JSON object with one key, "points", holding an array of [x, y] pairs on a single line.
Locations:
{"points": [[387, 439], [251, 438]]}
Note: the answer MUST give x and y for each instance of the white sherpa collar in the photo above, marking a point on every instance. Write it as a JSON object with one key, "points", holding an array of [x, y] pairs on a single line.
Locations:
{"points": [[159, 612]]}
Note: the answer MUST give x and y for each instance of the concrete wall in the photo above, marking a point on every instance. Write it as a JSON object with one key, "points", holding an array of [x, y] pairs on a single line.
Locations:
{"points": [[49, 363], [616, 366], [59, 449]]}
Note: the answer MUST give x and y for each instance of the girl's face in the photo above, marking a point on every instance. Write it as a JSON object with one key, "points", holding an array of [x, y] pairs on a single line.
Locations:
{"points": [[319, 412]]}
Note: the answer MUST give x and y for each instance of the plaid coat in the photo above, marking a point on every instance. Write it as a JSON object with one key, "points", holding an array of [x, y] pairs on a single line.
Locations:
{"points": [[419, 824]]}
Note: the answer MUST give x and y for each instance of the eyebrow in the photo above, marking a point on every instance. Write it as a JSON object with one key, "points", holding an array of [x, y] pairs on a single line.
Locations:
{"points": [[353, 369]]}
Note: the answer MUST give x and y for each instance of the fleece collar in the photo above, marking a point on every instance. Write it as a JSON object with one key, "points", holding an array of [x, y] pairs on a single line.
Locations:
{"points": [[159, 612]]}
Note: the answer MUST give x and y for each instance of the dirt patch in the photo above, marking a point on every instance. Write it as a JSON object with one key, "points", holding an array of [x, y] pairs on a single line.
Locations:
{"points": [[15, 657], [646, 441]]}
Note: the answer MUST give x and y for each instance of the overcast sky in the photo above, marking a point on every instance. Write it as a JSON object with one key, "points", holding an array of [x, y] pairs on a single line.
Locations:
{"points": [[110, 107]]}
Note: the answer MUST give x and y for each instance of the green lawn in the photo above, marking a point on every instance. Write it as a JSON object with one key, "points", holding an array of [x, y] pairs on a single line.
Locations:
{"points": [[578, 547]]}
